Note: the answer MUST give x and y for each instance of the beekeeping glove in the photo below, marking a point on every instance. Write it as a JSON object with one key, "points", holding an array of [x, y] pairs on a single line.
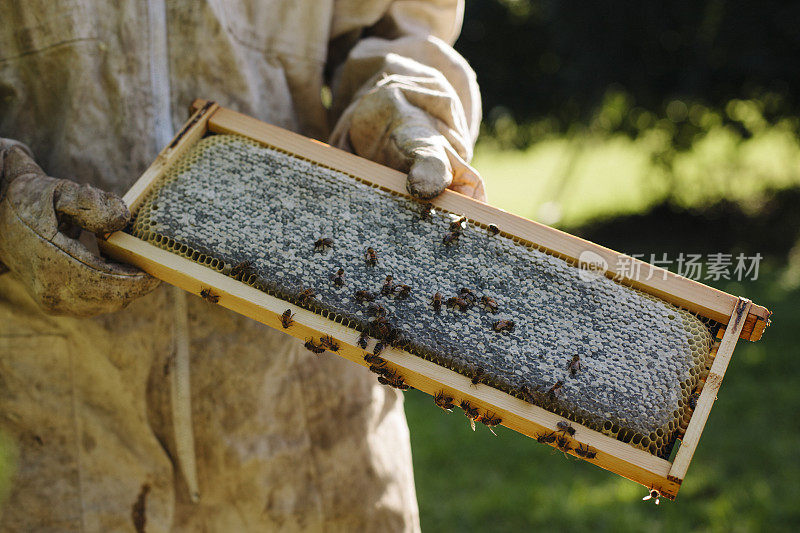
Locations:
{"points": [[40, 220], [387, 127], [404, 98]]}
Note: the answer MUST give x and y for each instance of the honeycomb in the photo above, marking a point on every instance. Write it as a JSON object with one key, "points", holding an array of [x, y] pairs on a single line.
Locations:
{"points": [[230, 200]]}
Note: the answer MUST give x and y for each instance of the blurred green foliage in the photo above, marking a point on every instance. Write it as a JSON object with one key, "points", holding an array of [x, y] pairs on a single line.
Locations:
{"points": [[596, 109], [553, 59], [692, 155]]}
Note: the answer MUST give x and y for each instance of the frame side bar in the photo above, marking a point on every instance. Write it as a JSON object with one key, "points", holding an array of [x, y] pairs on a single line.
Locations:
{"points": [[709, 393], [190, 133], [690, 294]]}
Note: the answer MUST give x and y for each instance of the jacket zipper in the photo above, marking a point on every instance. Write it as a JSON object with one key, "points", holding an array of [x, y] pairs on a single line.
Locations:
{"points": [[159, 73], [181, 402]]}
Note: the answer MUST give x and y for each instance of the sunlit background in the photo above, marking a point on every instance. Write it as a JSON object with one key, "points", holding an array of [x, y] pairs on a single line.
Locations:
{"points": [[648, 127]]}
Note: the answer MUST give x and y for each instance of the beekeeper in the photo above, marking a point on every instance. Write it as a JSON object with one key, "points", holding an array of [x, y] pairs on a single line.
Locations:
{"points": [[267, 437]]}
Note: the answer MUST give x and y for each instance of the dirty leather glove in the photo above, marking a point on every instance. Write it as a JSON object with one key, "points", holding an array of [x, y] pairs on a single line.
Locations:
{"points": [[40, 220], [386, 127]]}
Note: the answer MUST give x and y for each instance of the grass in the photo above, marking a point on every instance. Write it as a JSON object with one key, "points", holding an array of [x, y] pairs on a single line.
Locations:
{"points": [[744, 476]]}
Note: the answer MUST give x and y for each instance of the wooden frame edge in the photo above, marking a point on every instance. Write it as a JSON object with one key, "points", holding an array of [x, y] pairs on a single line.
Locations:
{"points": [[191, 132], [746, 320], [708, 395]]}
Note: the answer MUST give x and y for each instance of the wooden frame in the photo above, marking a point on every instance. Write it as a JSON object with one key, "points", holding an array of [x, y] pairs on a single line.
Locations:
{"points": [[741, 317]]}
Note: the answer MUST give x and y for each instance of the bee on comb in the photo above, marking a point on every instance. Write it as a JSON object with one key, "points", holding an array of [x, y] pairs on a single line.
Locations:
{"points": [[323, 244]]}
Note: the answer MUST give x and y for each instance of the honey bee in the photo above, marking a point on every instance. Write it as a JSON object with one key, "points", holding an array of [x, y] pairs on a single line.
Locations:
{"points": [[444, 401], [392, 337], [398, 382], [503, 325], [393, 379], [387, 285], [470, 412], [584, 451], [562, 443], [396, 340], [574, 366], [209, 295], [693, 399], [450, 238], [653, 495], [437, 302], [363, 296], [381, 370], [457, 303], [322, 244], [546, 438], [338, 278], [313, 347], [286, 318], [489, 303], [458, 225], [402, 291], [374, 360], [363, 339], [490, 421], [477, 374], [468, 295], [242, 269], [378, 348], [306, 295], [493, 230], [371, 257], [330, 343], [565, 428], [377, 310], [426, 211], [382, 327], [553, 391]]}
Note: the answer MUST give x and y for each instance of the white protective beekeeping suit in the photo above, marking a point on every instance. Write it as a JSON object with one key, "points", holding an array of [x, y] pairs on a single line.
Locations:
{"points": [[282, 440]]}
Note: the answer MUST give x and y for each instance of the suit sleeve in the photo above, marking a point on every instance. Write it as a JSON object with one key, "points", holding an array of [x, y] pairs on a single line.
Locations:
{"points": [[408, 48]]}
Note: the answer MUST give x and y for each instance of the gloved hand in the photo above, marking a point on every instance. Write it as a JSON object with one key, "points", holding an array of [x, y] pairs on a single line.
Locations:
{"points": [[386, 127], [40, 220]]}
